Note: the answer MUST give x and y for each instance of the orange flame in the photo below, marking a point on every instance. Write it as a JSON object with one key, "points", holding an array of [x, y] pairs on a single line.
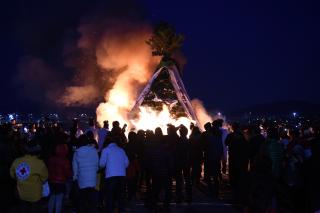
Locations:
{"points": [[130, 58]]}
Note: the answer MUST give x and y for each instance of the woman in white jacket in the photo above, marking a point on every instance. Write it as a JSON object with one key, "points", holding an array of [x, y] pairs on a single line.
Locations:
{"points": [[85, 166]]}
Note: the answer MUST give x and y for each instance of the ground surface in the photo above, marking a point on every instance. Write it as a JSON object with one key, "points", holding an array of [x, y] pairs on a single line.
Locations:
{"points": [[202, 202]]}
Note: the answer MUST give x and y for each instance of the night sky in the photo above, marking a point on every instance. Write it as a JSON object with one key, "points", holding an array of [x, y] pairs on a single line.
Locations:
{"points": [[239, 53]]}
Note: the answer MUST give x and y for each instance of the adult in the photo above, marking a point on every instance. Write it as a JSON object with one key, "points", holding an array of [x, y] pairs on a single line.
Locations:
{"points": [[238, 155], [159, 163], [119, 132], [75, 131], [196, 154], [312, 176], [256, 139], [85, 165], [30, 173], [115, 161], [134, 165], [224, 134], [92, 128], [102, 134], [274, 150], [206, 137], [183, 166], [59, 168], [214, 150]]}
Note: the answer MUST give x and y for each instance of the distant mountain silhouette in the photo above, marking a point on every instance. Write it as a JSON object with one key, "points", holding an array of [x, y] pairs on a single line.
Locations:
{"points": [[281, 108]]}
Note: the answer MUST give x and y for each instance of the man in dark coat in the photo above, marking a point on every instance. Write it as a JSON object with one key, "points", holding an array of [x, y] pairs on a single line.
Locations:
{"points": [[212, 140], [196, 154], [238, 155], [183, 165], [255, 141], [159, 163]]}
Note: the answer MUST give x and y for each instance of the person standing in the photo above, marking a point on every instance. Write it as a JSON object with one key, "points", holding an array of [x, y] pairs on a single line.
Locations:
{"points": [[273, 149], [75, 131], [214, 150], [159, 163], [134, 166], [183, 165], [206, 138], [115, 161], [102, 134], [196, 154], [59, 168], [85, 166], [224, 134], [30, 173], [238, 155], [256, 139], [92, 128]]}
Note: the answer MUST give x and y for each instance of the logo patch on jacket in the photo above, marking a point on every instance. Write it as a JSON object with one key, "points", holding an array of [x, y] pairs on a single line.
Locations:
{"points": [[23, 171]]}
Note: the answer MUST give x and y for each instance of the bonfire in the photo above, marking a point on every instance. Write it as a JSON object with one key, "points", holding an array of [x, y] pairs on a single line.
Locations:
{"points": [[164, 99]]}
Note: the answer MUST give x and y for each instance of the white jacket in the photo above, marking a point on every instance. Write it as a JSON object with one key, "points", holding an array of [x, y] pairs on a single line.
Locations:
{"points": [[85, 165], [115, 160]]}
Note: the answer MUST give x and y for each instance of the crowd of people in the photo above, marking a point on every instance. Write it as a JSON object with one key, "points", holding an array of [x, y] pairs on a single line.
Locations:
{"points": [[103, 169]]}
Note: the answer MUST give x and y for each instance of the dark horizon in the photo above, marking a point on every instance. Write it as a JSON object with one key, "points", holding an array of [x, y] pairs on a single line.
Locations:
{"points": [[239, 54]]}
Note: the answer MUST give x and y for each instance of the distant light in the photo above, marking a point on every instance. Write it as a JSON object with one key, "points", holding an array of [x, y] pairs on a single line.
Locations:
{"points": [[219, 113], [10, 116], [294, 114]]}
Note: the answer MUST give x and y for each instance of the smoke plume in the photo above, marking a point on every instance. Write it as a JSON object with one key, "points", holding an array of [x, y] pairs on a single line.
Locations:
{"points": [[201, 113], [107, 62]]}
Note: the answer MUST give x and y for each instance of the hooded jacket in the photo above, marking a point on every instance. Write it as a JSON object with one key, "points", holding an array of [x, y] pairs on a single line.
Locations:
{"points": [[85, 165], [59, 165]]}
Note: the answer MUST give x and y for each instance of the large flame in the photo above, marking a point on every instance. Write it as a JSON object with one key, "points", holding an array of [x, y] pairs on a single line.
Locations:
{"points": [[150, 119], [129, 58]]}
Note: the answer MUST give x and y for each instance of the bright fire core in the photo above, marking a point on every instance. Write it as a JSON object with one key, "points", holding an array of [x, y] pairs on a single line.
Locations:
{"points": [[150, 119]]}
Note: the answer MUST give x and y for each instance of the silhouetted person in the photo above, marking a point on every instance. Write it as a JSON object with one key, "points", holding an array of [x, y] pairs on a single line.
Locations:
{"points": [[160, 165], [134, 165], [312, 176], [91, 139], [238, 155], [256, 139], [196, 154], [273, 149], [257, 188], [183, 166], [117, 131], [206, 137], [92, 128], [102, 134], [75, 131], [214, 150]]}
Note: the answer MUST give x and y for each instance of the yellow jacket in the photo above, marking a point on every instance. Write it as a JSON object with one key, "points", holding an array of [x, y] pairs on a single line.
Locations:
{"points": [[30, 173]]}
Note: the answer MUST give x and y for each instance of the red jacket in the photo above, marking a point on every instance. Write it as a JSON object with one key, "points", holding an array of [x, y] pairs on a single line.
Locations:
{"points": [[59, 166]]}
